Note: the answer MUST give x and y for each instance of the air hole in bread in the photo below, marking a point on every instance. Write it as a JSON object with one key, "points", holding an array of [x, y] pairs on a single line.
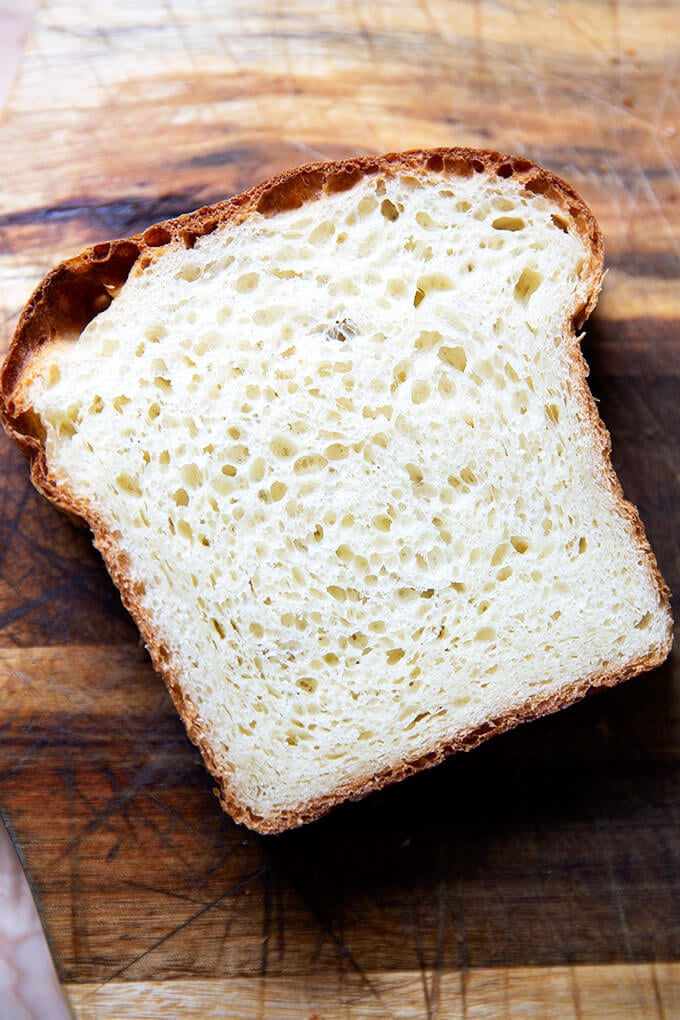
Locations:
{"points": [[157, 236], [344, 553], [420, 391], [119, 403], [434, 282], [552, 413], [528, 283], [446, 387], [435, 163], [190, 272], [247, 282], [337, 451], [282, 447], [394, 656], [389, 210], [367, 205], [65, 428], [425, 220], [127, 484], [322, 232], [308, 684], [309, 463], [453, 356], [511, 223]]}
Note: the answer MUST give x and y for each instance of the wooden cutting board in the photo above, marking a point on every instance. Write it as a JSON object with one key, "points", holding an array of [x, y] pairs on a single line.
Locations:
{"points": [[539, 875]]}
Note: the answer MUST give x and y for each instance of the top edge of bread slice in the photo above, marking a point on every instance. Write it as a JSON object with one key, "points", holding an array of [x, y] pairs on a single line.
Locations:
{"points": [[335, 443]]}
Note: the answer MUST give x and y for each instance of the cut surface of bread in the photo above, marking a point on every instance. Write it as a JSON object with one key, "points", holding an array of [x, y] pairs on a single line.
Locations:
{"points": [[335, 443]]}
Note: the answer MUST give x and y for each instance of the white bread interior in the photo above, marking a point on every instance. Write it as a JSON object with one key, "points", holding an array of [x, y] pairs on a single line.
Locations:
{"points": [[348, 457]]}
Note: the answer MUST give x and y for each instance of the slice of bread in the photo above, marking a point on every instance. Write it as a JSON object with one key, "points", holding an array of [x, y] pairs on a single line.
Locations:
{"points": [[334, 441]]}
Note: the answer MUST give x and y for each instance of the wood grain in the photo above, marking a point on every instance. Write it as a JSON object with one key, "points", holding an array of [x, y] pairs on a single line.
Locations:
{"points": [[539, 875], [643, 991]]}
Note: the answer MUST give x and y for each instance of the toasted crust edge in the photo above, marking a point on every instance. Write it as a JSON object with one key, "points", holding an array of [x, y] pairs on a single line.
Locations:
{"points": [[75, 291]]}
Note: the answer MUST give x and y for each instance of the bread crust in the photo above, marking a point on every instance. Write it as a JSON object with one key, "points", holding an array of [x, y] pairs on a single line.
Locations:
{"points": [[73, 293]]}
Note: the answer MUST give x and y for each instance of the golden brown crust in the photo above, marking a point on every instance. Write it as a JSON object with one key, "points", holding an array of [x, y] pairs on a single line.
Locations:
{"points": [[78, 289]]}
